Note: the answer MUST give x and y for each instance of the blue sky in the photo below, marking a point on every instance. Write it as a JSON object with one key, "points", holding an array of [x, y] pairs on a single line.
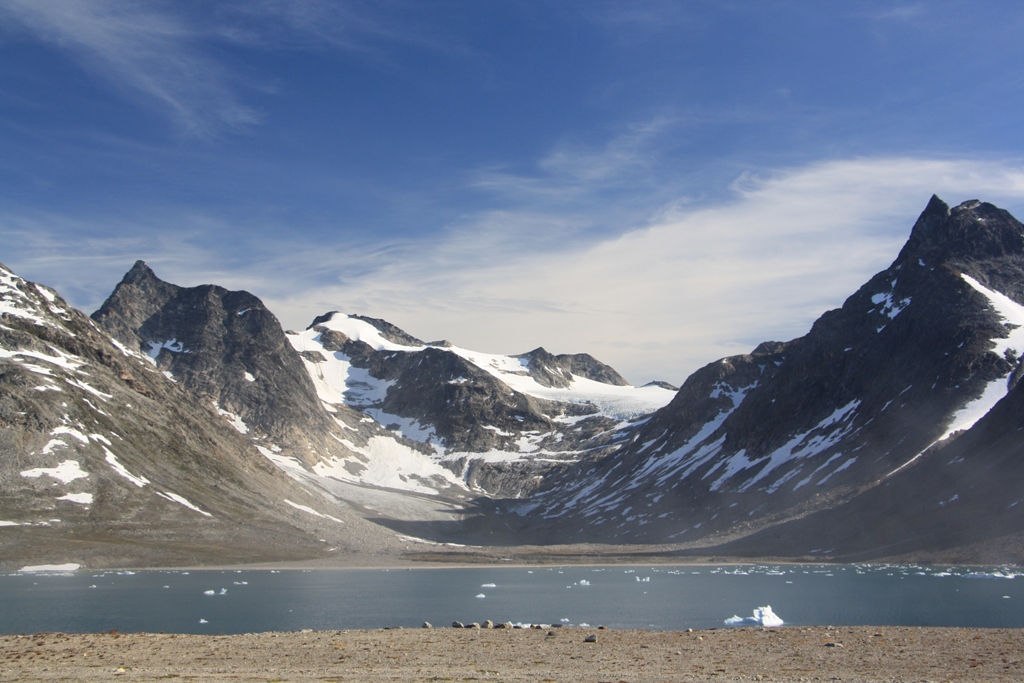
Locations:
{"points": [[657, 183]]}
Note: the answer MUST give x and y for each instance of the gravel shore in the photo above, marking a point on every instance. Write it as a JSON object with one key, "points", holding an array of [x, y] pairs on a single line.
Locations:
{"points": [[548, 655]]}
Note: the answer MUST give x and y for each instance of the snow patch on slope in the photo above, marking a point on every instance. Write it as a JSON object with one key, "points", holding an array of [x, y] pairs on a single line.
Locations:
{"points": [[807, 444], [1013, 314], [392, 465]]}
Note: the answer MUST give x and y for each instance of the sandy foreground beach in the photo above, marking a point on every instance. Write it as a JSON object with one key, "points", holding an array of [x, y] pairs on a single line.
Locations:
{"points": [[547, 655]]}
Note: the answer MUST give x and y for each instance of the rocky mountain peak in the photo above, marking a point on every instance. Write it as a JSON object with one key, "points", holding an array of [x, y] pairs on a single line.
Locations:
{"points": [[227, 349], [971, 231], [139, 272], [558, 371]]}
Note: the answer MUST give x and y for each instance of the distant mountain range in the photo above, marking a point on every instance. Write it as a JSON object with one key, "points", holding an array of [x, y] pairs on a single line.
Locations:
{"points": [[185, 426]]}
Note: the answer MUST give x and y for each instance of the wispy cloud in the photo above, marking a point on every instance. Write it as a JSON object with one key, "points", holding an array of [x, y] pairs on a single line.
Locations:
{"points": [[144, 50], [899, 12], [579, 191], [162, 53]]}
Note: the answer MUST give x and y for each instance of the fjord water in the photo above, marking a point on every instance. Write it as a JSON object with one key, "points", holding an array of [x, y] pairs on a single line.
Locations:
{"points": [[660, 598]]}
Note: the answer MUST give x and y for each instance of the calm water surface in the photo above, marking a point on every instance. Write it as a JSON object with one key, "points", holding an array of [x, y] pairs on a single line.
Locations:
{"points": [[659, 598]]}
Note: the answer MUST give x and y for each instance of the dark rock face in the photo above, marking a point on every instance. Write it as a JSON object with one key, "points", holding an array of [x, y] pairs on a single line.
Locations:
{"points": [[226, 348], [469, 408], [558, 371], [959, 503], [105, 461], [793, 427]]}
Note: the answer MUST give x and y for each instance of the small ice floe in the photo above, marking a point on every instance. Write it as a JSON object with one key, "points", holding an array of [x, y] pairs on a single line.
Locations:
{"points": [[582, 582], [209, 592], [763, 616], [223, 591], [488, 585], [241, 583], [481, 595], [992, 575], [203, 621], [645, 579]]}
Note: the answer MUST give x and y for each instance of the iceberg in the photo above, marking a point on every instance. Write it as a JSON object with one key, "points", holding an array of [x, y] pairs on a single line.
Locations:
{"points": [[763, 616]]}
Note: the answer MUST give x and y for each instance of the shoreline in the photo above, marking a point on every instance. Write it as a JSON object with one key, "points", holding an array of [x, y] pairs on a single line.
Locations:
{"points": [[410, 565], [783, 654]]}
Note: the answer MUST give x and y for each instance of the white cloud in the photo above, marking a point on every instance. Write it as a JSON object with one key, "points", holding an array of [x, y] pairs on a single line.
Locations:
{"points": [[659, 301], [694, 283]]}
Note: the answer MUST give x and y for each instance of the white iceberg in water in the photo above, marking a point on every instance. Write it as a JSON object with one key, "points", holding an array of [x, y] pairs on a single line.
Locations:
{"points": [[763, 616]]}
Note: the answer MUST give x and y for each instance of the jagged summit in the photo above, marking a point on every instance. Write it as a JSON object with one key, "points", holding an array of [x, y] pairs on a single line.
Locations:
{"points": [[972, 231], [227, 348], [138, 272]]}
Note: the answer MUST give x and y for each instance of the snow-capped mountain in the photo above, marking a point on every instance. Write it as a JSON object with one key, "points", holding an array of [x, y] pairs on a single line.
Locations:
{"points": [[106, 461], [919, 353], [501, 422], [231, 353], [357, 400]]}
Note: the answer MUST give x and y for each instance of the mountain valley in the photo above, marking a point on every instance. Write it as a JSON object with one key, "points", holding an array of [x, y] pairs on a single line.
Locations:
{"points": [[184, 426]]}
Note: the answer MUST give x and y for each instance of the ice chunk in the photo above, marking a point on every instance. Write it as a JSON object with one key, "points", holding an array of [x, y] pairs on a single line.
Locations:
{"points": [[481, 595], [763, 616], [488, 585]]}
